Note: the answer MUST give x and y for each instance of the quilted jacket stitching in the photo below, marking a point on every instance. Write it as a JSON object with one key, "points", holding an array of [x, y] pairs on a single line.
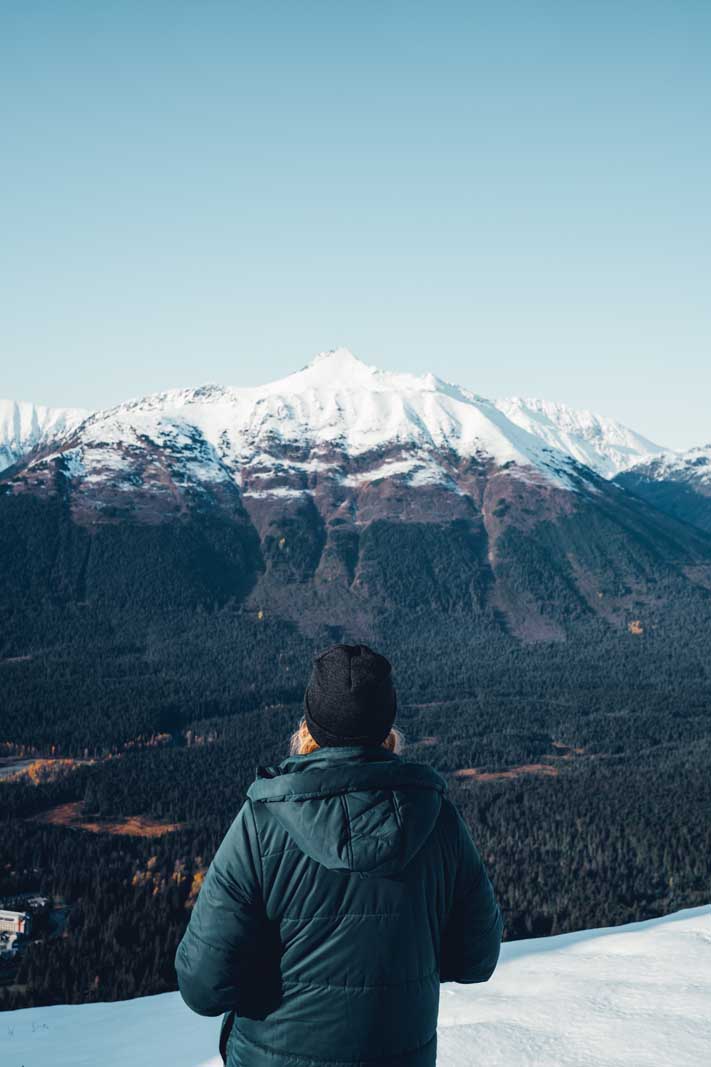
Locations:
{"points": [[364, 985], [309, 1060]]}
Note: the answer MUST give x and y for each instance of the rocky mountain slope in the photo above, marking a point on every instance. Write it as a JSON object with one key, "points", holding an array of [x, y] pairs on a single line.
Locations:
{"points": [[329, 490]]}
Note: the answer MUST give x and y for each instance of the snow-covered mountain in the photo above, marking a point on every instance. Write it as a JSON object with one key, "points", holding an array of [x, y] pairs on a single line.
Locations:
{"points": [[25, 426], [626, 996], [348, 438], [337, 407], [314, 460], [335, 402], [601, 443]]}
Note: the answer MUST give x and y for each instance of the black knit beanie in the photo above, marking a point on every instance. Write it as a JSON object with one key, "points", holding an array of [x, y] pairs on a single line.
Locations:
{"points": [[350, 698]]}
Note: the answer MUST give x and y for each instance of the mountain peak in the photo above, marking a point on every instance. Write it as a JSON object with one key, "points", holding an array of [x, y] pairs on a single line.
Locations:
{"points": [[336, 357], [338, 366], [340, 369]]}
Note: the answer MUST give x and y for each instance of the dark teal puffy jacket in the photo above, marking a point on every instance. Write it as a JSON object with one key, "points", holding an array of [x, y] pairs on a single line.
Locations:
{"points": [[347, 888]]}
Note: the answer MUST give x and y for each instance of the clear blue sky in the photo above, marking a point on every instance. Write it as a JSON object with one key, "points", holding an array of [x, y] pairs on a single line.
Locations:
{"points": [[516, 195]]}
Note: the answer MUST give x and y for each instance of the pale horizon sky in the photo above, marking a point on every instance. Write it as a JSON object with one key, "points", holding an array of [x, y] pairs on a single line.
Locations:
{"points": [[513, 196]]}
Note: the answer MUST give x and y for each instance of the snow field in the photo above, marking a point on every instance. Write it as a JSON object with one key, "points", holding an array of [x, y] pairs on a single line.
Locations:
{"points": [[637, 995]]}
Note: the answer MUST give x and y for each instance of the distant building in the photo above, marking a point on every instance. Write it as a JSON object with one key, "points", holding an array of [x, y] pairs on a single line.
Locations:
{"points": [[8, 946], [15, 922]]}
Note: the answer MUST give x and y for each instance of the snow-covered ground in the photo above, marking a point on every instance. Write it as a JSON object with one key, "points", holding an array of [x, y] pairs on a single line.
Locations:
{"points": [[636, 995]]}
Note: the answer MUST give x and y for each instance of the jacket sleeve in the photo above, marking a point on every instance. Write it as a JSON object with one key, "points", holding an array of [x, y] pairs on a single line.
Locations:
{"points": [[471, 939], [220, 949]]}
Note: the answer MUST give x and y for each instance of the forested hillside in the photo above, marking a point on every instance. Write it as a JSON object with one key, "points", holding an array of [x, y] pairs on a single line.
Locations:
{"points": [[590, 804]]}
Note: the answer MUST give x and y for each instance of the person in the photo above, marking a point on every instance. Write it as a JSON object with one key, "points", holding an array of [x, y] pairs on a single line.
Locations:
{"points": [[346, 890]]}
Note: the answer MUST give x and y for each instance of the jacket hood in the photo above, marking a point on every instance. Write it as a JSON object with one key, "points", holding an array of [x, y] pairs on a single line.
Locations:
{"points": [[355, 808]]}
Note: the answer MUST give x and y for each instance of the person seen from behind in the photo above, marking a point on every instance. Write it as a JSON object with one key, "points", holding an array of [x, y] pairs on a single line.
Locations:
{"points": [[346, 890]]}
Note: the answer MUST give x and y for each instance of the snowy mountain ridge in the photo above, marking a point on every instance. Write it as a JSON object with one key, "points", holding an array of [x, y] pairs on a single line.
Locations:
{"points": [[24, 426], [629, 996], [336, 406], [599, 442], [694, 465], [336, 402]]}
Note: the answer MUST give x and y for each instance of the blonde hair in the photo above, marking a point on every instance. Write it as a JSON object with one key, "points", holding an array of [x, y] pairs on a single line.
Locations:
{"points": [[302, 743]]}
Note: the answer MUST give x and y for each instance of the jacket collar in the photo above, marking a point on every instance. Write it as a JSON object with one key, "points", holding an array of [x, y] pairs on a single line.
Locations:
{"points": [[329, 771], [329, 756]]}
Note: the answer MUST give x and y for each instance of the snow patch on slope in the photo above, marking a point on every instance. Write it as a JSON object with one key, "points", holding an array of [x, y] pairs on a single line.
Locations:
{"points": [[627, 996]]}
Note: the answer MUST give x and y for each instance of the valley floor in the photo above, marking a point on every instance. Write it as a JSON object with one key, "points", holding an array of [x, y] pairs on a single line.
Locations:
{"points": [[635, 995]]}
